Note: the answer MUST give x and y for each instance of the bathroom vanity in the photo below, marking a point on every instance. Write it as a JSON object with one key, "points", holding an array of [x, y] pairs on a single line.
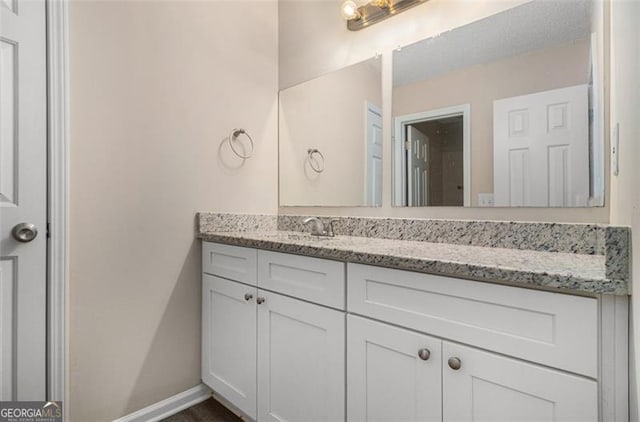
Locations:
{"points": [[297, 328], [420, 319]]}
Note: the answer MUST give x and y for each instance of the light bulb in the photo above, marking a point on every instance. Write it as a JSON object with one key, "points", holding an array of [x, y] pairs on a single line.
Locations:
{"points": [[350, 10]]}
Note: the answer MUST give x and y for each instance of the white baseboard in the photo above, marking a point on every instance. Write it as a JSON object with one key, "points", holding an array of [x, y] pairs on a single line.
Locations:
{"points": [[171, 406]]}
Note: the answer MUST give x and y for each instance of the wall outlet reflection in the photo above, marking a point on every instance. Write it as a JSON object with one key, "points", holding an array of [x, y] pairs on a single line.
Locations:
{"points": [[485, 200]]}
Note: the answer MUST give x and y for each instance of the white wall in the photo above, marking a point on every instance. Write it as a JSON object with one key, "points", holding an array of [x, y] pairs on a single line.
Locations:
{"points": [[327, 113], [311, 47], [625, 190], [155, 88]]}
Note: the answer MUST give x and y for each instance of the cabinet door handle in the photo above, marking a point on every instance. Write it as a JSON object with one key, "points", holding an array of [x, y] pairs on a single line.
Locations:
{"points": [[260, 300], [455, 363], [424, 354], [248, 296]]}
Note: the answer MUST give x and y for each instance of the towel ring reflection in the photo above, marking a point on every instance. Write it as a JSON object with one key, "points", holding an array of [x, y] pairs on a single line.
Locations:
{"points": [[233, 139], [319, 166]]}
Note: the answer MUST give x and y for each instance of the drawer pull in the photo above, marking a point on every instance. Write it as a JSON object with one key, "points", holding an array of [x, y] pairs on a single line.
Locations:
{"points": [[455, 363], [260, 300], [248, 296], [424, 354]]}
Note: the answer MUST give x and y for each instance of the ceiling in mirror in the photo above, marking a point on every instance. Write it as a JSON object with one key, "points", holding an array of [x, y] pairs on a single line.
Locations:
{"points": [[330, 139], [505, 111], [534, 26]]}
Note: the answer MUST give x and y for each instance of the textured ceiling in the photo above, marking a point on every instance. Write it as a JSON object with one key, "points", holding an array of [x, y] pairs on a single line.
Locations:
{"points": [[532, 26]]}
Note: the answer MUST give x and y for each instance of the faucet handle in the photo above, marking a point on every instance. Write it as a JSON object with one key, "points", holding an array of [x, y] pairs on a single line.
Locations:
{"points": [[330, 231]]}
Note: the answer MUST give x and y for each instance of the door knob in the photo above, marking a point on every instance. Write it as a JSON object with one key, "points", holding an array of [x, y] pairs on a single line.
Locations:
{"points": [[248, 296], [260, 300], [24, 232], [455, 363], [424, 354]]}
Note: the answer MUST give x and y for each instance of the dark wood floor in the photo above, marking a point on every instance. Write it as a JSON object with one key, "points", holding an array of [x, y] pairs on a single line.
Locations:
{"points": [[207, 411]]}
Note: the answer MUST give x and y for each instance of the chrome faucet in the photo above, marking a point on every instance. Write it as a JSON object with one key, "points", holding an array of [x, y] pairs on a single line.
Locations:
{"points": [[318, 229]]}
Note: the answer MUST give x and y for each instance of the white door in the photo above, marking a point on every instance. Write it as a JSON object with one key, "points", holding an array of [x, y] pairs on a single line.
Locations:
{"points": [[494, 388], [229, 341], [301, 361], [541, 149], [418, 158], [374, 155], [23, 199], [393, 374]]}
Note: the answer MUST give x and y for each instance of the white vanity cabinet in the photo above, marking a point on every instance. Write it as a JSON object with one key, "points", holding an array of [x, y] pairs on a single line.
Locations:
{"points": [[497, 353], [398, 374], [295, 338], [269, 354]]}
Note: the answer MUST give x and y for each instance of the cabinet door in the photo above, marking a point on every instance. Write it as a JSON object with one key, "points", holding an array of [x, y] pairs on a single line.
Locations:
{"points": [[301, 361], [390, 377], [229, 341], [494, 388]]}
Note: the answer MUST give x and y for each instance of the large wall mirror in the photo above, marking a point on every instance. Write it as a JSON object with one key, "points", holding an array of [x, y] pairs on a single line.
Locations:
{"points": [[331, 139], [506, 111]]}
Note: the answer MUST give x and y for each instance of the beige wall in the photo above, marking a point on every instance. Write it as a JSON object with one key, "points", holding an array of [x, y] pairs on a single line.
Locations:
{"points": [[155, 87], [311, 47], [320, 114], [625, 191], [480, 85]]}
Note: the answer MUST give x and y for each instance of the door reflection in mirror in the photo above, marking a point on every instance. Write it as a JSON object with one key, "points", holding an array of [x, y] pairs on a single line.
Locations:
{"points": [[436, 152]]}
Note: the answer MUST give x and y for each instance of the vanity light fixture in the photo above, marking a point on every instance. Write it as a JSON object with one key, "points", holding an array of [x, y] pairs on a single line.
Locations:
{"points": [[374, 11], [380, 3]]}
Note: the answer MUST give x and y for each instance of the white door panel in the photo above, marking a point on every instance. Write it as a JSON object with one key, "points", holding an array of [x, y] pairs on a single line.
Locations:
{"points": [[494, 388], [229, 341], [418, 155], [301, 361], [22, 199], [386, 378], [374, 155], [541, 149]]}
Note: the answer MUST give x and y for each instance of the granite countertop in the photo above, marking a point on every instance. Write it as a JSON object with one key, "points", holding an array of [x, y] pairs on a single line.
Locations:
{"points": [[566, 272]]}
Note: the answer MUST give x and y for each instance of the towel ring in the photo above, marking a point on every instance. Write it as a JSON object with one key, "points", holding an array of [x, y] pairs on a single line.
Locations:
{"points": [[319, 167], [232, 140]]}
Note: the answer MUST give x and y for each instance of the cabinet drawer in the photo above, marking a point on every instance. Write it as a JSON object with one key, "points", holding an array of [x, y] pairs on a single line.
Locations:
{"points": [[313, 279], [550, 328], [232, 262]]}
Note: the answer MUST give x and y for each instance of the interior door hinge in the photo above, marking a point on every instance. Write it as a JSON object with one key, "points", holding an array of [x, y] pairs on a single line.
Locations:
{"points": [[48, 230], [407, 146]]}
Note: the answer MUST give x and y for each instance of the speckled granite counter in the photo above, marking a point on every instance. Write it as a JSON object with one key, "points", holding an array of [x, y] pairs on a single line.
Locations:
{"points": [[566, 272]]}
